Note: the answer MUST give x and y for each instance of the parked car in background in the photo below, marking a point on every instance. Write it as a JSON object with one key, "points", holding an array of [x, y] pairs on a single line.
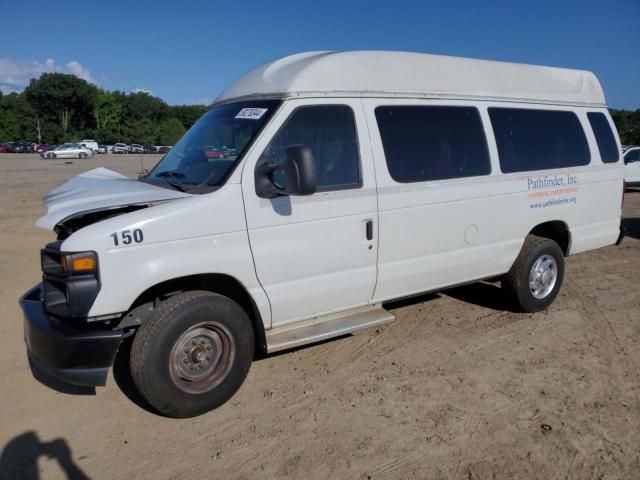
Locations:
{"points": [[102, 149], [42, 147], [120, 148], [229, 152], [214, 152], [69, 150], [632, 166], [92, 144], [150, 149], [20, 147], [4, 148], [136, 148], [164, 150]]}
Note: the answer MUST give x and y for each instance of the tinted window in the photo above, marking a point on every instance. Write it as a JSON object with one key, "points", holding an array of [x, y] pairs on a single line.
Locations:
{"points": [[632, 156], [604, 136], [433, 142], [330, 132], [538, 139]]}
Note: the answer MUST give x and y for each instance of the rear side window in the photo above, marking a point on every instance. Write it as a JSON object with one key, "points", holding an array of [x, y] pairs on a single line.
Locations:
{"points": [[330, 132], [423, 143], [604, 136], [538, 139]]}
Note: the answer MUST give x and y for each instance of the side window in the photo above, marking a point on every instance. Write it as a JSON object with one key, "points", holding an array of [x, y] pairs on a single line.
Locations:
{"points": [[632, 156], [531, 140], [330, 132], [604, 136], [424, 143]]}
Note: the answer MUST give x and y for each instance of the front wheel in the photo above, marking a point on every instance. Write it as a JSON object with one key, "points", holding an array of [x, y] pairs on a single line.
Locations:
{"points": [[536, 276], [192, 354], [82, 155]]}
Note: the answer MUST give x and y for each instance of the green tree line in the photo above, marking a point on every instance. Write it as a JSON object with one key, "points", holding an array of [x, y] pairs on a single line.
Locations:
{"points": [[628, 125], [58, 108]]}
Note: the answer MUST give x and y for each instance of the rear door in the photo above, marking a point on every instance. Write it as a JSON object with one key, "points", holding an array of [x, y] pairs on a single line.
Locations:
{"points": [[316, 254]]}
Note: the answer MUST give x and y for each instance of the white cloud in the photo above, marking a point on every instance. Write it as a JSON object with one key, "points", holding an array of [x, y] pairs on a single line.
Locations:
{"points": [[79, 71], [142, 90], [16, 74]]}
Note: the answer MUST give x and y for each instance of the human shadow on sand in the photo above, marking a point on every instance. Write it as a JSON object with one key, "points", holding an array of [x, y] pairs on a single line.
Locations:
{"points": [[19, 458]]}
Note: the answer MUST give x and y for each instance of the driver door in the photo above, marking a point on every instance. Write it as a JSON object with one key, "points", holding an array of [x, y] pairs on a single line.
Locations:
{"points": [[316, 254]]}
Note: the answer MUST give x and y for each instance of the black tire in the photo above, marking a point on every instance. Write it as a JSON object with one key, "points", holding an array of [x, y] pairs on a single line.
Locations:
{"points": [[161, 354], [82, 155], [516, 283]]}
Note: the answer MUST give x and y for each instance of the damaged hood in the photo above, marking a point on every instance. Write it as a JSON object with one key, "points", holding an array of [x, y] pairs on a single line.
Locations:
{"points": [[99, 189]]}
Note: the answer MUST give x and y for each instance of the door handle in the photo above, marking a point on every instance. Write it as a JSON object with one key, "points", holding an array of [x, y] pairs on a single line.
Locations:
{"points": [[369, 229]]}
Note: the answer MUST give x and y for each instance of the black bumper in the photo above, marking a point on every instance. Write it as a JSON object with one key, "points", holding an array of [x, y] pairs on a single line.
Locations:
{"points": [[74, 356]]}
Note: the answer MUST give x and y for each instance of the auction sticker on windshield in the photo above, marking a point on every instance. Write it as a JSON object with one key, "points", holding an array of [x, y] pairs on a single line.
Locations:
{"points": [[251, 113]]}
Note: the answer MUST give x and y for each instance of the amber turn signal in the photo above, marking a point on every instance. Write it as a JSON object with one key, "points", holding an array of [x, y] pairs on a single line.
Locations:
{"points": [[83, 264]]}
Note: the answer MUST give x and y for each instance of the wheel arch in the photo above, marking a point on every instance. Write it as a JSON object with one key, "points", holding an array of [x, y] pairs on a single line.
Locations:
{"points": [[222, 284], [556, 230]]}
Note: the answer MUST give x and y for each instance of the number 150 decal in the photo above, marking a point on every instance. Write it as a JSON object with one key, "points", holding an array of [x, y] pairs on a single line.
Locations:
{"points": [[126, 237]]}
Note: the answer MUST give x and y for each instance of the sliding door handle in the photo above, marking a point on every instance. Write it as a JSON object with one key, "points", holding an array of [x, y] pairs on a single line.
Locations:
{"points": [[369, 229]]}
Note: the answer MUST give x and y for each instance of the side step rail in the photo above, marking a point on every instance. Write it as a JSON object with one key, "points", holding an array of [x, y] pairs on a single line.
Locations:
{"points": [[325, 327]]}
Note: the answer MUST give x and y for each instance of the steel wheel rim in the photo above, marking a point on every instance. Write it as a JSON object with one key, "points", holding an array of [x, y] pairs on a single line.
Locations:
{"points": [[543, 276], [202, 357]]}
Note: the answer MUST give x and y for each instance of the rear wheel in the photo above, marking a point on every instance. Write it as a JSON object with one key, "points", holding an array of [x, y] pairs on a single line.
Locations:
{"points": [[192, 354], [536, 276]]}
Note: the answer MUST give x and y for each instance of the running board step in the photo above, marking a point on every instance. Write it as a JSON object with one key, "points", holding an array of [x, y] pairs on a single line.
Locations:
{"points": [[325, 327]]}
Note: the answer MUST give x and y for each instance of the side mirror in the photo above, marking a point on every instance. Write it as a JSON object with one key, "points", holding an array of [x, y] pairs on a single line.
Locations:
{"points": [[299, 169]]}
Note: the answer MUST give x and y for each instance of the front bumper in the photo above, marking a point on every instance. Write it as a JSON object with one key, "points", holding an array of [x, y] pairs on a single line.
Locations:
{"points": [[75, 356]]}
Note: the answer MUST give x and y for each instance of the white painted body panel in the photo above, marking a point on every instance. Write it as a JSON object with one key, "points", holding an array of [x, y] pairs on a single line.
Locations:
{"points": [[408, 74], [99, 189], [193, 235]]}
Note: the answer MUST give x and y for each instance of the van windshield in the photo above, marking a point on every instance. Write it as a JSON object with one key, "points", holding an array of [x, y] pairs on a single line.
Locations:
{"points": [[206, 155]]}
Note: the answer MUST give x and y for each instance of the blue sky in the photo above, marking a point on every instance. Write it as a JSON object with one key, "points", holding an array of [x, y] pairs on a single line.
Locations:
{"points": [[187, 51]]}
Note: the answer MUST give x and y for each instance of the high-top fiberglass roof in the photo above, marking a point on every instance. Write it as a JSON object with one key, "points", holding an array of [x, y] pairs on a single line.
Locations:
{"points": [[405, 74]]}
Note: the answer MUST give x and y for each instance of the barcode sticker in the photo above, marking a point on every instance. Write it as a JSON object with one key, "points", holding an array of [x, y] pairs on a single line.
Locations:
{"points": [[251, 113]]}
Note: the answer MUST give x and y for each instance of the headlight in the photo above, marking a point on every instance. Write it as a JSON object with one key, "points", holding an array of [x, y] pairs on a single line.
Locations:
{"points": [[61, 264], [71, 281]]}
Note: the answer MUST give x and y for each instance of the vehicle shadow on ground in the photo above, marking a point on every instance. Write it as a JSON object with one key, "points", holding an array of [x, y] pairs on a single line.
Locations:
{"points": [[122, 376], [631, 227], [19, 458], [484, 294]]}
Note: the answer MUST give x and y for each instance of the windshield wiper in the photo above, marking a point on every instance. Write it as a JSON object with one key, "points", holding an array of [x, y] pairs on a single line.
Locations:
{"points": [[178, 185]]}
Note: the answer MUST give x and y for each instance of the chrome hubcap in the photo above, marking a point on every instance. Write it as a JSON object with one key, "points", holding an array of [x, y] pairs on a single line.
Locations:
{"points": [[543, 276], [202, 357]]}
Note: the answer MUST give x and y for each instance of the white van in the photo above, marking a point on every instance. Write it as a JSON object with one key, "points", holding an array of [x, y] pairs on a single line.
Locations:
{"points": [[90, 144], [350, 179]]}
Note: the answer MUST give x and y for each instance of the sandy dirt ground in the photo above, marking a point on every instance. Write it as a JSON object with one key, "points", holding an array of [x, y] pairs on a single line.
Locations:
{"points": [[457, 387]]}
